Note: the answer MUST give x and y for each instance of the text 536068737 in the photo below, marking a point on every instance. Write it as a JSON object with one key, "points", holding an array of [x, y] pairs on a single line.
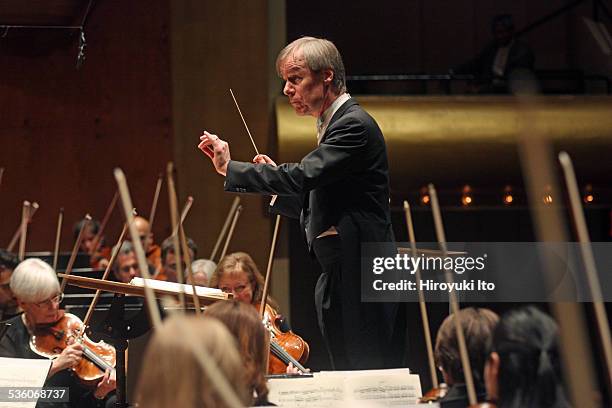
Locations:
{"points": [[32, 394]]}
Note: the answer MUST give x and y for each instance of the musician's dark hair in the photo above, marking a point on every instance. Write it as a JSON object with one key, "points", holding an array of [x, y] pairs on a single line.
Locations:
{"points": [[8, 259], [93, 224], [478, 325], [168, 247], [244, 323], [526, 341]]}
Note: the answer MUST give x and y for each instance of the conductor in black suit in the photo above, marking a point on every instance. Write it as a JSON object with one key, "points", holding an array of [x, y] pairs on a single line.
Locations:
{"points": [[340, 192]]}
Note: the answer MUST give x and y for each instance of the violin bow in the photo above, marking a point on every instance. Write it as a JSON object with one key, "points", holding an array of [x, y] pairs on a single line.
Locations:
{"points": [[175, 239], [111, 262], [588, 258], [126, 201], [264, 295], [97, 241], [23, 228], [58, 234], [226, 225], [231, 231], [75, 250], [217, 378], [33, 207], [422, 304], [158, 185], [184, 213], [187, 255], [463, 352], [538, 172]]}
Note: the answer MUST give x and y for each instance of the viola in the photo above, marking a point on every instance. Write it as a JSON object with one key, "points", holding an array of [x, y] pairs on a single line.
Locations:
{"points": [[434, 395], [50, 340], [285, 346]]}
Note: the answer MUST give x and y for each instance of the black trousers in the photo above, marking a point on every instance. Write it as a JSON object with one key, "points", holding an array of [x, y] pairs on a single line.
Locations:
{"points": [[354, 332]]}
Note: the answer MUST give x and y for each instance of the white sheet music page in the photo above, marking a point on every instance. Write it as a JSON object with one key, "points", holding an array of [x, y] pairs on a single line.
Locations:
{"points": [[355, 389], [384, 390], [22, 372], [176, 287], [306, 392]]}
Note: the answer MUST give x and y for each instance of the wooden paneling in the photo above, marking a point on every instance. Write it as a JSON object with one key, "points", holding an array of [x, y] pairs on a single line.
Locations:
{"points": [[64, 130], [217, 46], [41, 12]]}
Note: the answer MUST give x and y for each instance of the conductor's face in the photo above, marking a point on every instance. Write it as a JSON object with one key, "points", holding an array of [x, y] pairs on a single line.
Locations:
{"points": [[307, 90]]}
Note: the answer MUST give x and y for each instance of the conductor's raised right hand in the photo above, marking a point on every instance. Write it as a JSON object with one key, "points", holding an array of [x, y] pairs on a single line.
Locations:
{"points": [[263, 159], [217, 150]]}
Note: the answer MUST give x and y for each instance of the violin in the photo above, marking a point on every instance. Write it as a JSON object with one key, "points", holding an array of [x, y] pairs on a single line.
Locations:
{"points": [[285, 346], [50, 340], [434, 395], [100, 255], [154, 256]]}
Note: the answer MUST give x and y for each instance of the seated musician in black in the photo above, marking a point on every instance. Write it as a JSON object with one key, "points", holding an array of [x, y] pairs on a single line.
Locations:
{"points": [[8, 304], [126, 265], [478, 325], [37, 290], [524, 368]]}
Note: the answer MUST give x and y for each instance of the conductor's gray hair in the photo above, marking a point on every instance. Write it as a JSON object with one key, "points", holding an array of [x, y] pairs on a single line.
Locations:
{"points": [[34, 281], [319, 54]]}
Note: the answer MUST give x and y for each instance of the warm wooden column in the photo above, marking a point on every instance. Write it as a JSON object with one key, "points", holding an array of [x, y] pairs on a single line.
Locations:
{"points": [[216, 46]]}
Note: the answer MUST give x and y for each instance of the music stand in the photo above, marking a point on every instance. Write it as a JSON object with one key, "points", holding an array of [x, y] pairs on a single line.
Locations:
{"points": [[119, 329]]}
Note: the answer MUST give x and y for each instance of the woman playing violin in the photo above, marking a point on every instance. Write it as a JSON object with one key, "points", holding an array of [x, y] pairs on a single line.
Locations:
{"points": [[35, 285], [238, 274]]}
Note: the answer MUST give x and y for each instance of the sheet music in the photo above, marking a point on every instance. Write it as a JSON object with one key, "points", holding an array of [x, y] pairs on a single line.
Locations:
{"points": [[306, 392], [384, 390], [22, 372], [364, 388], [175, 287]]}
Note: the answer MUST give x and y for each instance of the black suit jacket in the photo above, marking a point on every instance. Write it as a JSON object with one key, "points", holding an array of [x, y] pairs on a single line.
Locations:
{"points": [[344, 182]]}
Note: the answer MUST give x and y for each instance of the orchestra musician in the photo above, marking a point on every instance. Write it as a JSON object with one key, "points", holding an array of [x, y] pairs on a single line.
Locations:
{"points": [[99, 256], [340, 192], [126, 265], [8, 303], [238, 274], [524, 367], [152, 250], [477, 325], [37, 290], [203, 270], [168, 260], [172, 375], [244, 324]]}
